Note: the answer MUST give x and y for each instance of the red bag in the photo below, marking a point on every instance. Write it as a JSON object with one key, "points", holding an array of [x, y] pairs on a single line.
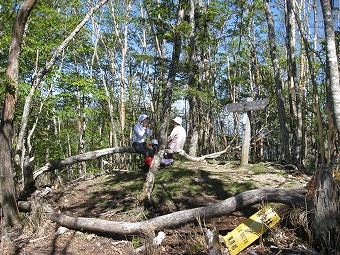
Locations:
{"points": [[148, 161]]}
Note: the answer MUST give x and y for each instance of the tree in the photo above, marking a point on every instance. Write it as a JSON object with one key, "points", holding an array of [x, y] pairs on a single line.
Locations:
{"points": [[9, 205], [192, 81], [332, 59], [201, 69], [38, 77], [314, 84], [278, 85], [122, 41], [167, 99], [327, 192], [294, 90]]}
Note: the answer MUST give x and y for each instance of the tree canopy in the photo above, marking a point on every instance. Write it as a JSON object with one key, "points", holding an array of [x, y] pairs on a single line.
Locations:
{"points": [[118, 63]]}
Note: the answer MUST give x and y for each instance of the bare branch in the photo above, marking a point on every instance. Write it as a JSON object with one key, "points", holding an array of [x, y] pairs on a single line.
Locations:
{"points": [[223, 208], [80, 158]]}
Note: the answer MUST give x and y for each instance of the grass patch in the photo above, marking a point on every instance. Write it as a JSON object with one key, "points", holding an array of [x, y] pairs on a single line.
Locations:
{"points": [[179, 183], [264, 169]]}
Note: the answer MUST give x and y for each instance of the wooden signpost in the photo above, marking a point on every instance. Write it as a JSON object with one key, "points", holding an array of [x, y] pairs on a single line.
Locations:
{"points": [[247, 107]]}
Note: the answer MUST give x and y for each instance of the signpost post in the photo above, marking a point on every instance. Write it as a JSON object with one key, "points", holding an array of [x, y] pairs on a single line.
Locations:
{"points": [[247, 107]]}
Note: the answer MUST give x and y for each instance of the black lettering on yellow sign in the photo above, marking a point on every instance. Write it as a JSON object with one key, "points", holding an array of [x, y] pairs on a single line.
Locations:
{"points": [[244, 238], [248, 231], [231, 240], [232, 243]]}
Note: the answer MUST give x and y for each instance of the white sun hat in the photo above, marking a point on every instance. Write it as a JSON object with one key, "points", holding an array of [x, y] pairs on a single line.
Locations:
{"points": [[178, 120], [142, 117]]}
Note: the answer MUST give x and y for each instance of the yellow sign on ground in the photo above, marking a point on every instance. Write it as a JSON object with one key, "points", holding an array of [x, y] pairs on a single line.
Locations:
{"points": [[248, 231]]}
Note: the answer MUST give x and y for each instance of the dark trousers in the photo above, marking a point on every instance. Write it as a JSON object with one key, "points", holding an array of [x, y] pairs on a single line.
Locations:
{"points": [[143, 149]]}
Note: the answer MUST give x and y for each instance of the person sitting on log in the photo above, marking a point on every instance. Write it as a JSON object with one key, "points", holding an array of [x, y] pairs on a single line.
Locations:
{"points": [[176, 139], [141, 132]]}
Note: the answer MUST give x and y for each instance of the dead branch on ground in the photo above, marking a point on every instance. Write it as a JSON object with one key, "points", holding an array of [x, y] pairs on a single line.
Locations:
{"points": [[243, 200]]}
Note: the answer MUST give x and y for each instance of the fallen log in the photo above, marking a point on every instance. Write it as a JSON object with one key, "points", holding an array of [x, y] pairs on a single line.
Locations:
{"points": [[91, 155], [203, 158], [285, 196]]}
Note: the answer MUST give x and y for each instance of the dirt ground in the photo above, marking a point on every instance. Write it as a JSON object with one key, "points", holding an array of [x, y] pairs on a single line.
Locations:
{"points": [[180, 186]]}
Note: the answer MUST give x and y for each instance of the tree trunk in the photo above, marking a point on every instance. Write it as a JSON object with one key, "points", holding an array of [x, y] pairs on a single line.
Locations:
{"points": [[28, 166], [326, 220], [112, 131], [123, 43], [332, 60], [332, 133], [167, 98], [192, 83], [315, 89], [223, 208], [9, 205], [233, 96], [113, 140], [284, 154], [81, 132], [295, 98], [91, 155], [194, 123], [29, 183]]}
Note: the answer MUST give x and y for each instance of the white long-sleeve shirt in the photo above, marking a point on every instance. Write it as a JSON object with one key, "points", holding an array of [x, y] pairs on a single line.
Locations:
{"points": [[177, 138], [141, 133]]}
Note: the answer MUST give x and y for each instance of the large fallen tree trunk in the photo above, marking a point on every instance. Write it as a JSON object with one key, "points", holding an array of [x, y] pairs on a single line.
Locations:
{"points": [[223, 208], [91, 155]]}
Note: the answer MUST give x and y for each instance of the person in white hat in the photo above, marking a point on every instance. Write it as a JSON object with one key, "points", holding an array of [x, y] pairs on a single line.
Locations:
{"points": [[177, 137], [141, 132]]}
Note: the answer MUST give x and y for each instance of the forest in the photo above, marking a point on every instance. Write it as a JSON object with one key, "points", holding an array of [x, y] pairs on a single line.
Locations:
{"points": [[75, 76]]}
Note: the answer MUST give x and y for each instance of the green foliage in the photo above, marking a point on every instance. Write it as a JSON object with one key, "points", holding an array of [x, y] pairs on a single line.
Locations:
{"points": [[135, 242], [7, 15], [228, 62]]}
